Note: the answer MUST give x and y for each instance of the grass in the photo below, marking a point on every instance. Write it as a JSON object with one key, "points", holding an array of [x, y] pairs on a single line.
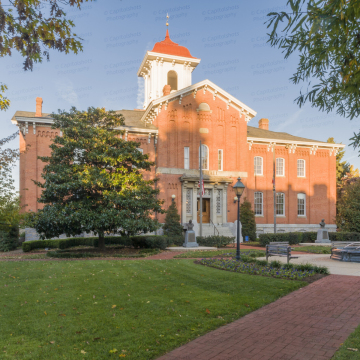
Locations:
{"points": [[314, 249], [212, 253], [102, 309], [352, 342]]}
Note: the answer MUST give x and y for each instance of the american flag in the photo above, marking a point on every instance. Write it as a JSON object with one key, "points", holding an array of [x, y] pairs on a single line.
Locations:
{"points": [[202, 187]]}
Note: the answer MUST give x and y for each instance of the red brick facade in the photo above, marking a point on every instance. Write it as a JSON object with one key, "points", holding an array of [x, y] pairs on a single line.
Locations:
{"points": [[204, 112]]}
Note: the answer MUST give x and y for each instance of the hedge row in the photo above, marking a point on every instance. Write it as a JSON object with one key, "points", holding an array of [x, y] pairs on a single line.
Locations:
{"points": [[215, 241], [344, 236], [71, 242], [294, 238], [142, 242]]}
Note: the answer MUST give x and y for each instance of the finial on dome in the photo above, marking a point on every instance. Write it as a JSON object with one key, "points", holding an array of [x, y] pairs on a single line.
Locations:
{"points": [[167, 19]]}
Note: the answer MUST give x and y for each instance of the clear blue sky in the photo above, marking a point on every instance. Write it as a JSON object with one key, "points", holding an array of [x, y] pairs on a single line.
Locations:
{"points": [[229, 37]]}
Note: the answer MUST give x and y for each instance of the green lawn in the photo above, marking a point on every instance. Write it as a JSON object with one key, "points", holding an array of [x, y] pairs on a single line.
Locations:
{"points": [[314, 249], [212, 253], [352, 342], [102, 309]]}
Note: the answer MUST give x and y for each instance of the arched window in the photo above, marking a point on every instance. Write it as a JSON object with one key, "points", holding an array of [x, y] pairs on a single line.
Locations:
{"points": [[172, 80], [301, 204], [280, 167], [258, 203], [280, 204], [258, 165], [301, 168], [204, 157]]}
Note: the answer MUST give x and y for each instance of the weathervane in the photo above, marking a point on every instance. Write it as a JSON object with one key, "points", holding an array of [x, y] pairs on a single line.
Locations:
{"points": [[167, 19]]}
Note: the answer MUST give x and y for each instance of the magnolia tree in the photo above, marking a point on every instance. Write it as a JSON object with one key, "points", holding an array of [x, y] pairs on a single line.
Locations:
{"points": [[93, 180]]}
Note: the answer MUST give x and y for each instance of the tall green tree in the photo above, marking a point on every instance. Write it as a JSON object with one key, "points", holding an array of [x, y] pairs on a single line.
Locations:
{"points": [[348, 206], [33, 28], [93, 180], [172, 226], [342, 167], [247, 219], [326, 37]]}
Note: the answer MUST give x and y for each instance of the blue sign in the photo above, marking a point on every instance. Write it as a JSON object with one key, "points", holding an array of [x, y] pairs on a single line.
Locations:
{"points": [[246, 238]]}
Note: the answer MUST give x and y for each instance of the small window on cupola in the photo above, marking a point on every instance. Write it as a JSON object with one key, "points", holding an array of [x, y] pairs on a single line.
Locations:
{"points": [[172, 80]]}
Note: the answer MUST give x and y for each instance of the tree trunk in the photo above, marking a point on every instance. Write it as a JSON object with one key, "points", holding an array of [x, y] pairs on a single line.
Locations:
{"points": [[101, 241]]}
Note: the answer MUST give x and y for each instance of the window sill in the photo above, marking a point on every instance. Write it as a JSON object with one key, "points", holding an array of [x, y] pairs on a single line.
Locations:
{"points": [[302, 216], [280, 176], [301, 177], [281, 216], [259, 216], [258, 175]]}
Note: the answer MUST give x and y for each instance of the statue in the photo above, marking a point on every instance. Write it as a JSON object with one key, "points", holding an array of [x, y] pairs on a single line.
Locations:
{"points": [[190, 237], [322, 234], [190, 225]]}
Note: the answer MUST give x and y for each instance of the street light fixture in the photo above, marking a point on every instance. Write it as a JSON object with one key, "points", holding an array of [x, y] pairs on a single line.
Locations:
{"points": [[173, 198], [239, 188]]}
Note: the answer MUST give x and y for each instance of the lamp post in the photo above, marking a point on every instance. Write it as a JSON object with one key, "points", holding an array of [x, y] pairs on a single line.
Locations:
{"points": [[239, 188], [173, 198]]}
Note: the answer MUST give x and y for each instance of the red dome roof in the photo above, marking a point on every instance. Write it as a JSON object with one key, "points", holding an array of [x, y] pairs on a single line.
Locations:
{"points": [[167, 46]]}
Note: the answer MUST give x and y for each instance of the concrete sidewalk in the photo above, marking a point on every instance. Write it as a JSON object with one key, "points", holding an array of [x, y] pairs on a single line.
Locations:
{"points": [[308, 324], [335, 267]]}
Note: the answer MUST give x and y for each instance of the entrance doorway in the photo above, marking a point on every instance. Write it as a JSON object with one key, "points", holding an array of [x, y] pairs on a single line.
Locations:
{"points": [[205, 211]]}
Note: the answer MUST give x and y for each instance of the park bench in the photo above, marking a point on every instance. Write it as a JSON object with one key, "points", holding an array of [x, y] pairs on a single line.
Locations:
{"points": [[345, 251], [279, 249]]}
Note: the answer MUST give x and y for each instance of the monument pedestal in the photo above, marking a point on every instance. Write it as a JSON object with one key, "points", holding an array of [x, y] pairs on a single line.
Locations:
{"points": [[322, 236], [190, 239]]}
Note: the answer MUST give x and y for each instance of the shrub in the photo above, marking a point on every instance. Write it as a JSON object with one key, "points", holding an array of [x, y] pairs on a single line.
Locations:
{"points": [[9, 239], [247, 219], [72, 242], [344, 236], [175, 240], [150, 242], [293, 238], [214, 241], [276, 264], [172, 225], [66, 254], [309, 237]]}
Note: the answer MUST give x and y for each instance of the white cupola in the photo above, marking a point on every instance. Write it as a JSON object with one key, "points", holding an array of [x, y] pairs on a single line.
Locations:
{"points": [[166, 64]]}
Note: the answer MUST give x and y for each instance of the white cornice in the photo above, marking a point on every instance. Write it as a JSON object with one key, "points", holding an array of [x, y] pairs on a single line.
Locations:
{"points": [[265, 141], [47, 121], [166, 57], [208, 86]]}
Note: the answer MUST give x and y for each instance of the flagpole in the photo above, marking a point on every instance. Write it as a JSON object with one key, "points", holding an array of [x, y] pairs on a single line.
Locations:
{"points": [[200, 187], [274, 190]]}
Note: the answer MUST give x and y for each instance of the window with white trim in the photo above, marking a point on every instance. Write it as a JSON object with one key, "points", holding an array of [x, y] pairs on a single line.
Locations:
{"points": [[258, 203], [301, 168], [141, 150], [301, 204], [280, 204], [280, 167], [258, 165], [204, 157], [186, 157], [220, 160]]}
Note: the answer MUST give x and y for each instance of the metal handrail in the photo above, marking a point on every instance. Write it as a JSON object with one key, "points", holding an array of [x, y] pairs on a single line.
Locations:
{"points": [[215, 228]]}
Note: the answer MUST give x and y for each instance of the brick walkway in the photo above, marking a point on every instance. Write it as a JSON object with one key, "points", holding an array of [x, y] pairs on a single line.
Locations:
{"points": [[309, 323]]}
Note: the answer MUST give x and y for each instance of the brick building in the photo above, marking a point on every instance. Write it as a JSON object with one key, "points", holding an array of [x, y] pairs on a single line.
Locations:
{"points": [[176, 116]]}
